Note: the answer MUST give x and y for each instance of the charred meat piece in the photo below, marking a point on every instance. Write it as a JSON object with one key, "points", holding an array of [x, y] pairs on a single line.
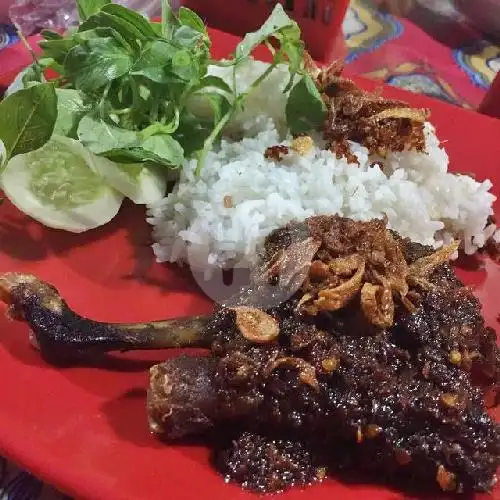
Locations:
{"points": [[182, 400], [363, 393], [398, 398], [264, 464], [370, 356]]}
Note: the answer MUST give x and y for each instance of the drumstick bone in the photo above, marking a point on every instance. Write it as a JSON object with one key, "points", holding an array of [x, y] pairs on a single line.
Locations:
{"points": [[60, 333]]}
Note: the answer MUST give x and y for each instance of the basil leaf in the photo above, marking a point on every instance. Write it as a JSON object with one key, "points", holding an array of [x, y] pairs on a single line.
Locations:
{"points": [[187, 37], [305, 109], [219, 104], [275, 22], [213, 82], [156, 27], [100, 136], [184, 66], [51, 35], [140, 23], [98, 33], [70, 110], [154, 60], [189, 18], [129, 24], [168, 19], [86, 8], [128, 33], [168, 127], [292, 46], [124, 155], [27, 119], [197, 45], [57, 49], [162, 150], [120, 94], [164, 147], [96, 62], [192, 133]]}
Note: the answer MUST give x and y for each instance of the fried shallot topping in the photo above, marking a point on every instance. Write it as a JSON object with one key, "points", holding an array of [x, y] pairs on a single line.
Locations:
{"points": [[307, 372], [276, 153], [445, 479], [256, 325], [364, 261], [381, 125]]}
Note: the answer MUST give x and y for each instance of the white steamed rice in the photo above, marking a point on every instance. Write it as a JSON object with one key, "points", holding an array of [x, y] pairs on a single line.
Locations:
{"points": [[414, 190]]}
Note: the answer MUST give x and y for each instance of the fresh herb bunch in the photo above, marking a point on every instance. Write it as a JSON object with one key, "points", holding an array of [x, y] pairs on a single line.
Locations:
{"points": [[124, 84]]}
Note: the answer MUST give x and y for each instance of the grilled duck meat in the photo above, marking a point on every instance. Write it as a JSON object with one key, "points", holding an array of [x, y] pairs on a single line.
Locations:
{"points": [[376, 361], [63, 335]]}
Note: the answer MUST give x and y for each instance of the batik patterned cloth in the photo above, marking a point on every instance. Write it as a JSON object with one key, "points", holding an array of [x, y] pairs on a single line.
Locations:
{"points": [[457, 67], [16, 484], [426, 53], [7, 36]]}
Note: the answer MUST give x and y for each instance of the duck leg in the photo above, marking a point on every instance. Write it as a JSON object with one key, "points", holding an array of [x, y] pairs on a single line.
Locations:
{"points": [[60, 333]]}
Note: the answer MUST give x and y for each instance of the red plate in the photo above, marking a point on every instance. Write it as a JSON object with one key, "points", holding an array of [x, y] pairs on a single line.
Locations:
{"points": [[85, 430]]}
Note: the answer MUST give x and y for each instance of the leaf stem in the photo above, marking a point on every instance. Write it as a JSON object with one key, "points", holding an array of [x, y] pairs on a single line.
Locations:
{"points": [[166, 19], [222, 63], [21, 36], [262, 77], [209, 141], [102, 102]]}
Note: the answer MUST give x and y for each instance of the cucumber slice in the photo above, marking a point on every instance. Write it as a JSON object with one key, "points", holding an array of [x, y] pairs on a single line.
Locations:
{"points": [[58, 186], [17, 83], [3, 154], [139, 182]]}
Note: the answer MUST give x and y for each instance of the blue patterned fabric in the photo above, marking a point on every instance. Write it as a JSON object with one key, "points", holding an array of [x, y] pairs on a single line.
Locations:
{"points": [[16, 484], [8, 35], [367, 29], [480, 60]]}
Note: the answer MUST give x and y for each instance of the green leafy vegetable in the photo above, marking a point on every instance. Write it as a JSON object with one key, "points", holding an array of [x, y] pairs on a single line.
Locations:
{"points": [[88, 7], [154, 61], [213, 82], [168, 154], [123, 31], [70, 110], [168, 21], [32, 76], [100, 136], [127, 86], [189, 18], [51, 35], [305, 110], [276, 23], [57, 49], [165, 147], [219, 104], [96, 62], [139, 22], [161, 128], [127, 146], [27, 119]]}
